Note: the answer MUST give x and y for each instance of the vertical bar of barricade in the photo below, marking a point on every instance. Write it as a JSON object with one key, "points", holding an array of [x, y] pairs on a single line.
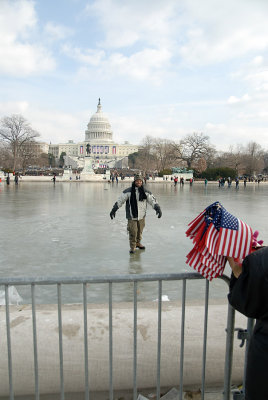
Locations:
{"points": [[85, 341], [135, 341], [36, 377], [111, 340], [10, 375], [60, 342], [205, 341], [159, 339], [250, 326], [182, 337], [229, 353]]}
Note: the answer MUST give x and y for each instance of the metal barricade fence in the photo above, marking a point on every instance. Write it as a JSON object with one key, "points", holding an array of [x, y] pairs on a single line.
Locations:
{"points": [[110, 280]]}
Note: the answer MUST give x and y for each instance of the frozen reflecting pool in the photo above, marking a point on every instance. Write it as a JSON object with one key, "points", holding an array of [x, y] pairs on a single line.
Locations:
{"points": [[65, 230]]}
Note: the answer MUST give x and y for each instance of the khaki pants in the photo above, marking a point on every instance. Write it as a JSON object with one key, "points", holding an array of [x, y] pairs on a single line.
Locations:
{"points": [[135, 229]]}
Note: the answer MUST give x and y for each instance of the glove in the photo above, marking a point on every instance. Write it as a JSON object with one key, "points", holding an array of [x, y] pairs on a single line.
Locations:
{"points": [[255, 242], [158, 210], [114, 209]]}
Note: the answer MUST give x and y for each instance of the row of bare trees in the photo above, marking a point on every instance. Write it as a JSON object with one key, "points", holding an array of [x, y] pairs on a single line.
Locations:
{"points": [[194, 151], [250, 159]]}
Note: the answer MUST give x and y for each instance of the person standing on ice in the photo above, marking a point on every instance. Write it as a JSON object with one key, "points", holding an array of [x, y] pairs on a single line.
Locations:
{"points": [[136, 198]]}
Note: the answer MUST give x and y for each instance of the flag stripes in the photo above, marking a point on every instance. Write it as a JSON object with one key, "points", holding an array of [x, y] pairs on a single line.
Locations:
{"points": [[217, 234]]}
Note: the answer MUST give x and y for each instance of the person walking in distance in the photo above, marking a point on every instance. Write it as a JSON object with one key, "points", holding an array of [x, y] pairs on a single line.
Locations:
{"points": [[136, 198]]}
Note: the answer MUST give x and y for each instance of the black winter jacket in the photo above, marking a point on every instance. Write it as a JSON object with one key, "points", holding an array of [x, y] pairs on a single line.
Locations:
{"points": [[249, 295]]}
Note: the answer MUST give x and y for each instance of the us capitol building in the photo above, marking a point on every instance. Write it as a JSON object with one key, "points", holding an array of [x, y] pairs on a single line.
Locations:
{"points": [[98, 144]]}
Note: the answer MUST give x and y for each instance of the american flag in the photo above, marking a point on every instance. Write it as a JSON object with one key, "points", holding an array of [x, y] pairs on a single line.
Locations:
{"points": [[217, 234]]}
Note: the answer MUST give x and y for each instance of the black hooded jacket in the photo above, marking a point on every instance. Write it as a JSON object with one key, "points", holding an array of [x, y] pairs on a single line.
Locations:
{"points": [[249, 295]]}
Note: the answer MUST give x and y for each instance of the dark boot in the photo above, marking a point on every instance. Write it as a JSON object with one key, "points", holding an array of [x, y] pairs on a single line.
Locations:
{"points": [[140, 246]]}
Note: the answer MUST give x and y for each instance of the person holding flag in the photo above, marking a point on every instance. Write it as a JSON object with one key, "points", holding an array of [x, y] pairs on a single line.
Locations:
{"points": [[219, 236], [249, 295]]}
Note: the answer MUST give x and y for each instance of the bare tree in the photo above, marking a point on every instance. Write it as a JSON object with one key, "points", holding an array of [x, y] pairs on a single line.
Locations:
{"points": [[5, 156], [145, 158], [201, 165], [231, 159], [164, 153], [209, 156], [193, 147], [43, 160], [27, 155], [147, 153], [253, 158], [248, 159], [16, 132], [265, 162]]}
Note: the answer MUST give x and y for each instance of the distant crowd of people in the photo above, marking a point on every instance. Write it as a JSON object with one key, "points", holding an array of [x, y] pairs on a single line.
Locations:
{"points": [[245, 179], [15, 175], [115, 175]]}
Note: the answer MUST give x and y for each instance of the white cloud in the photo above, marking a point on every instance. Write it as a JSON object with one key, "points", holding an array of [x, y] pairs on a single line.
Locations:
{"points": [[53, 125], [19, 57], [200, 33], [87, 56], [136, 128], [217, 32], [22, 60], [258, 79], [235, 100], [254, 75], [145, 65], [210, 127], [156, 122], [144, 28], [126, 23], [57, 32], [147, 26], [11, 107], [234, 132], [17, 18], [257, 61]]}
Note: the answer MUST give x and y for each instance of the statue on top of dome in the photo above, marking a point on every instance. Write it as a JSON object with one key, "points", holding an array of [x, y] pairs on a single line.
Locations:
{"points": [[99, 106]]}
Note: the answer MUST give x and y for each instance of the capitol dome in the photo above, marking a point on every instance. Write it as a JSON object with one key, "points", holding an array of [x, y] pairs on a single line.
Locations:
{"points": [[99, 128]]}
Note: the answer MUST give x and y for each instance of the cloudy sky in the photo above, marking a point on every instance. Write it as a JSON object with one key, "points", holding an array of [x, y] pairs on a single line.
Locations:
{"points": [[164, 68]]}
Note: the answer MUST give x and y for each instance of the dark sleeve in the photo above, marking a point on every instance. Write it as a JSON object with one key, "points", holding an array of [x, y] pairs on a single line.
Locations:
{"points": [[249, 293]]}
